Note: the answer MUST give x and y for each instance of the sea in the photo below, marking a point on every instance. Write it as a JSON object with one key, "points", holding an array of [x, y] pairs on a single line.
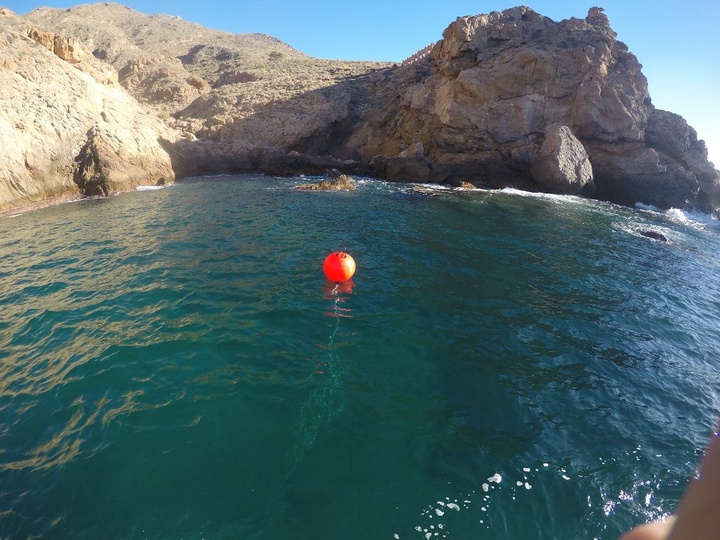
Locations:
{"points": [[174, 364]]}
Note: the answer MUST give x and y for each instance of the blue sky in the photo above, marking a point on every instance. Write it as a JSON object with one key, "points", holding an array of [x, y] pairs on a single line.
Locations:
{"points": [[679, 47]]}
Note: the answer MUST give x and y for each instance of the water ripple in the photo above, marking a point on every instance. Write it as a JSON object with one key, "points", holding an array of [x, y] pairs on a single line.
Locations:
{"points": [[173, 364]]}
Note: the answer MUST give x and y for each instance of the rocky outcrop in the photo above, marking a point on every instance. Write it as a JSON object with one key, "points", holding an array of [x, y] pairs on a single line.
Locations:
{"points": [[507, 98], [514, 98], [64, 47], [64, 132], [338, 182], [671, 136]]}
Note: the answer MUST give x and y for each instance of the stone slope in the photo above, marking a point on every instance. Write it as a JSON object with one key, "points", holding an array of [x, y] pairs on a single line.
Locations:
{"points": [[68, 129], [198, 79]]}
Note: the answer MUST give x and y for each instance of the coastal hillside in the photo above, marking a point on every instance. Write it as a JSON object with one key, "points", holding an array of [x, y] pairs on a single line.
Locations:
{"points": [[195, 78], [504, 99]]}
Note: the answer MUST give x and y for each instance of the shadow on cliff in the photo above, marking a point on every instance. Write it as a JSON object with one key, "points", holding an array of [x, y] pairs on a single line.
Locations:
{"points": [[314, 132], [305, 134], [351, 126]]}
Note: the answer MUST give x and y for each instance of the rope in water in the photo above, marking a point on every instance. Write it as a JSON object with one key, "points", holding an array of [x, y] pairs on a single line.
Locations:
{"points": [[319, 407], [317, 410]]}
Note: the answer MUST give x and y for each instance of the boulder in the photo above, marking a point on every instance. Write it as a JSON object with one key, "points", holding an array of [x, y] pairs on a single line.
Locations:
{"points": [[563, 165], [341, 182], [409, 165]]}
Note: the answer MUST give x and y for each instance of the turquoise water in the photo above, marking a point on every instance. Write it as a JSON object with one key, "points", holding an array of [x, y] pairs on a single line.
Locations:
{"points": [[173, 364]]}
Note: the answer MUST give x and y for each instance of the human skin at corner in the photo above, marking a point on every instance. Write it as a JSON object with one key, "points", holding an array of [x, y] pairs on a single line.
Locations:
{"points": [[698, 516]]}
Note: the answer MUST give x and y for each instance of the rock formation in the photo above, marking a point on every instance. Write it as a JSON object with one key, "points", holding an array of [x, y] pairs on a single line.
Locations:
{"points": [[514, 98], [67, 128], [337, 182], [508, 98]]}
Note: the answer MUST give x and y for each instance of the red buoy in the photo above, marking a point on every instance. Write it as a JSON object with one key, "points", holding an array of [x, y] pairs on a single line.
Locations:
{"points": [[339, 266]]}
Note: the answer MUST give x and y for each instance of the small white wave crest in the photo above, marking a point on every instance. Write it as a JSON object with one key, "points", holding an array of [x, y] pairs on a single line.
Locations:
{"points": [[687, 217]]}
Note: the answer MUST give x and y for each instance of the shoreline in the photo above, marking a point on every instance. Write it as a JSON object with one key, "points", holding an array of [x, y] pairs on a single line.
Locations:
{"points": [[427, 187], [67, 198], [38, 205]]}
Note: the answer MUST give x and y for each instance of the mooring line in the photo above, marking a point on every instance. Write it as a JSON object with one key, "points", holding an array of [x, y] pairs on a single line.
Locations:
{"points": [[317, 410]]}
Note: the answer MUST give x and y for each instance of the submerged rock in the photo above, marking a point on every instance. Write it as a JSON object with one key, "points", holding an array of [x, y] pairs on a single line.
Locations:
{"points": [[654, 235], [341, 182]]}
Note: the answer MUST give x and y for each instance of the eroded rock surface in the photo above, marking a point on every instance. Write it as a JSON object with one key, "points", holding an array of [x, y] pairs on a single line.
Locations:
{"points": [[64, 131]]}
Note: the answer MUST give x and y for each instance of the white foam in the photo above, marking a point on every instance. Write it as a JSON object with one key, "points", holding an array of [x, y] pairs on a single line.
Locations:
{"points": [[548, 196], [148, 188], [648, 207], [687, 216], [681, 216]]}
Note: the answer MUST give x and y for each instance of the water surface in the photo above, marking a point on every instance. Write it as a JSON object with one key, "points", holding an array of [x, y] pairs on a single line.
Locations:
{"points": [[173, 364]]}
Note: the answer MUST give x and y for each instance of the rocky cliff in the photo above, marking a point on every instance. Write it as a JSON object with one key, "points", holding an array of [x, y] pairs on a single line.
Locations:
{"points": [[99, 97], [68, 128], [516, 98]]}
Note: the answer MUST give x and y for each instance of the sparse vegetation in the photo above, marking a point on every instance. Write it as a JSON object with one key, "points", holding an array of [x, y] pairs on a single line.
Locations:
{"points": [[217, 77]]}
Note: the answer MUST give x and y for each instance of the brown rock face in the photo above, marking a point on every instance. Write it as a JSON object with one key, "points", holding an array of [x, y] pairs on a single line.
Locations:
{"points": [[514, 98], [64, 47]]}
